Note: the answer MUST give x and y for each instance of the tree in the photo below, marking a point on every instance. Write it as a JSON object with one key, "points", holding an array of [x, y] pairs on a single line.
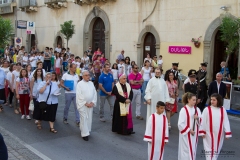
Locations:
{"points": [[229, 29], [67, 29], [6, 31]]}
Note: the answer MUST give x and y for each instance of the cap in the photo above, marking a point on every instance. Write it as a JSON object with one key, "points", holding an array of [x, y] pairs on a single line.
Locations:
{"points": [[175, 64], [192, 73], [204, 64]]}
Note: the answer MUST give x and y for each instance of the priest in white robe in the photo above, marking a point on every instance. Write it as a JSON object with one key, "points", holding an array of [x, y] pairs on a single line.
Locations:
{"points": [[215, 127], [156, 90], [86, 97]]}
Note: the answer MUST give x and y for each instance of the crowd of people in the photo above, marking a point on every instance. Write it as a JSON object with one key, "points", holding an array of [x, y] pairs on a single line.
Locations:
{"points": [[32, 82]]}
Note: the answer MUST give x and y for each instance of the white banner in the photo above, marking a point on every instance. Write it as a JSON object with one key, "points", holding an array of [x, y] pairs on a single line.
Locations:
{"points": [[228, 96], [30, 27], [17, 41]]}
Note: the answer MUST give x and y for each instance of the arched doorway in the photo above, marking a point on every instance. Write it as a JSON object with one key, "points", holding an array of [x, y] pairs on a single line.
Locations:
{"points": [[33, 40], [59, 41], [149, 45], [220, 55], [98, 35]]}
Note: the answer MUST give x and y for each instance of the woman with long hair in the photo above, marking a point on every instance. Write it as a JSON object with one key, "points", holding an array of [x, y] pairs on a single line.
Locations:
{"points": [[188, 125], [171, 108], [58, 64], [96, 53], [215, 123], [127, 66], [34, 83], [148, 57], [29, 69], [46, 88], [23, 93]]}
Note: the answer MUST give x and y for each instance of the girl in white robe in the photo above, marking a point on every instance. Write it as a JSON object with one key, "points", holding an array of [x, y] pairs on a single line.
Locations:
{"points": [[215, 126], [188, 128], [156, 133]]}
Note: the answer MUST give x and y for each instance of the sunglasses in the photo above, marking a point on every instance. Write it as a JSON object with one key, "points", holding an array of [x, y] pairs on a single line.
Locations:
{"points": [[136, 68]]}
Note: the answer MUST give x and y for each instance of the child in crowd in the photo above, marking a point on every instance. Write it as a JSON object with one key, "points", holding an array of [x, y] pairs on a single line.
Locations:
{"points": [[121, 67], [25, 60], [22, 92], [152, 72], [41, 57], [58, 63], [72, 57], [81, 70], [115, 72], [33, 61], [53, 57], [64, 65], [160, 61], [156, 133]]}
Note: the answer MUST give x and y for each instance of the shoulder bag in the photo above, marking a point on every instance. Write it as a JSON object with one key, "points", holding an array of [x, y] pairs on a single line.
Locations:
{"points": [[43, 105]]}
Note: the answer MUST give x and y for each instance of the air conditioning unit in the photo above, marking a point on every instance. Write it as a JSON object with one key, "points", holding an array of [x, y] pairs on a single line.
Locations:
{"points": [[33, 9], [62, 4]]}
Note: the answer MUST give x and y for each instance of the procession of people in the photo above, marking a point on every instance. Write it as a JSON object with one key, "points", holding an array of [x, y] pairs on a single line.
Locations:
{"points": [[33, 82]]}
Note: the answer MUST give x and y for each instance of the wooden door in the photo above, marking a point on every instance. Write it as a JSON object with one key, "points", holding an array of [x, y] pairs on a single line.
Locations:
{"points": [[59, 41], [149, 45], [98, 35]]}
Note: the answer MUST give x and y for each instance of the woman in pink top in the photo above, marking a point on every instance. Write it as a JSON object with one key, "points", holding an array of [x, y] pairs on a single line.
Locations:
{"points": [[97, 52], [173, 93]]}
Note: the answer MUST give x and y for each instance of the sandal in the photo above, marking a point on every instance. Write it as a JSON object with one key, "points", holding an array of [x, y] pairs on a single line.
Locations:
{"points": [[169, 126], [53, 130], [39, 126], [1, 108]]}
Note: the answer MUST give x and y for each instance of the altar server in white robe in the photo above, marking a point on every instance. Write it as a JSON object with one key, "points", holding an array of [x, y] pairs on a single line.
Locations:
{"points": [[189, 125], [215, 126], [156, 90], [156, 133], [86, 99]]}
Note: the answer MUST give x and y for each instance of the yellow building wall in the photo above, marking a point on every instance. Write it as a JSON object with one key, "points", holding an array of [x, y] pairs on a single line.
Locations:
{"points": [[186, 61]]}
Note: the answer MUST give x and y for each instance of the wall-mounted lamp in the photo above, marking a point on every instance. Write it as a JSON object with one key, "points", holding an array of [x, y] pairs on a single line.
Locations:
{"points": [[225, 8]]}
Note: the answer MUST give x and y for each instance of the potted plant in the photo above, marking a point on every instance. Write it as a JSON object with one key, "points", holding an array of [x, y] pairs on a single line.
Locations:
{"points": [[196, 41]]}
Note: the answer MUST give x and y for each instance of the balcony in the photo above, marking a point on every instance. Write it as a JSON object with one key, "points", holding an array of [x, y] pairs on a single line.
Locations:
{"points": [[56, 4], [6, 6], [28, 5], [89, 2]]}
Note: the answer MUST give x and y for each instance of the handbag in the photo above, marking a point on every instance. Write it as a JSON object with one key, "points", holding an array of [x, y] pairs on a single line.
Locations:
{"points": [[42, 104], [31, 106], [172, 101]]}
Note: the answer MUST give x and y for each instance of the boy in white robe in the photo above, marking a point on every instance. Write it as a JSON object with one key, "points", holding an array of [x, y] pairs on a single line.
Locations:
{"points": [[156, 133], [86, 99], [214, 124], [188, 128], [156, 90]]}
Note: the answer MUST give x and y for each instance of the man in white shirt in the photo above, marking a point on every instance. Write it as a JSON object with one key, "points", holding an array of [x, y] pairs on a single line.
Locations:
{"points": [[15, 75], [121, 67], [58, 49], [33, 61], [70, 92]]}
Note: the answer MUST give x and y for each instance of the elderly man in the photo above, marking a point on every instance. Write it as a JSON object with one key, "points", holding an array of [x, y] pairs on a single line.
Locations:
{"points": [[122, 113], [217, 86], [156, 90], [86, 97]]}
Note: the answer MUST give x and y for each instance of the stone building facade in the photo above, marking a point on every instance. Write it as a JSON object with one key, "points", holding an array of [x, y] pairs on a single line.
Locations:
{"points": [[137, 26]]}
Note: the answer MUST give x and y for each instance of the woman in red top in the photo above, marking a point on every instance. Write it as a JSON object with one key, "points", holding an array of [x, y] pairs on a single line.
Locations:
{"points": [[97, 52]]}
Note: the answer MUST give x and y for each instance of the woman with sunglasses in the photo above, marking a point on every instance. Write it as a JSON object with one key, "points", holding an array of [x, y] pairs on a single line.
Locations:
{"points": [[154, 62]]}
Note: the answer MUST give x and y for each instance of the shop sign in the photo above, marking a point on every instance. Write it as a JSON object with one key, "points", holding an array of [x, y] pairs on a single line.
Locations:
{"points": [[179, 49]]}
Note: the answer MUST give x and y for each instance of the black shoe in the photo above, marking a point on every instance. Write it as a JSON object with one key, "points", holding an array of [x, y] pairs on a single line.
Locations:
{"points": [[132, 132], [65, 121], [85, 138]]}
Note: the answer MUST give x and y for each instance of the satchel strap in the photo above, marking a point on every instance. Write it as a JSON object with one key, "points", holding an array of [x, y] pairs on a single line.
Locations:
{"points": [[49, 93]]}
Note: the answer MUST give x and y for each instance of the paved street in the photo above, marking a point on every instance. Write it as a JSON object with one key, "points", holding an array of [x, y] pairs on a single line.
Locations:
{"points": [[25, 141]]}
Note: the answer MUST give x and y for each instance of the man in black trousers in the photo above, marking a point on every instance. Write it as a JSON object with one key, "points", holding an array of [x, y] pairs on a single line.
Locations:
{"points": [[3, 149], [217, 86]]}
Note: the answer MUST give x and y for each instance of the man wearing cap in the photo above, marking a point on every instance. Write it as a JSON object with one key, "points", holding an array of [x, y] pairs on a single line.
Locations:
{"points": [[192, 85], [201, 78], [120, 57], [174, 69]]}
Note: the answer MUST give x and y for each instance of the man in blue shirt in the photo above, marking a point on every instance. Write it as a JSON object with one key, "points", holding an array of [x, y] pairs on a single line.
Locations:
{"points": [[2, 87], [106, 84]]}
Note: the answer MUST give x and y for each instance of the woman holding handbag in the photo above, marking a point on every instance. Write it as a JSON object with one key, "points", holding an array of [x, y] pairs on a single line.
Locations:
{"points": [[171, 107], [47, 102]]}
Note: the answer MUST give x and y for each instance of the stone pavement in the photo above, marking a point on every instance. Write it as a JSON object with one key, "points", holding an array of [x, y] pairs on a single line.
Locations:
{"points": [[17, 150]]}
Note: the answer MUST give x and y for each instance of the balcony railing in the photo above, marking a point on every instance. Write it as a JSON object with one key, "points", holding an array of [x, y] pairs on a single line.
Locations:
{"points": [[6, 6], [88, 2], [28, 5], [56, 4]]}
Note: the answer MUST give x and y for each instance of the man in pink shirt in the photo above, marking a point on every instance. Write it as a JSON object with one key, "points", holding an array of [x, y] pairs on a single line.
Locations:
{"points": [[136, 80]]}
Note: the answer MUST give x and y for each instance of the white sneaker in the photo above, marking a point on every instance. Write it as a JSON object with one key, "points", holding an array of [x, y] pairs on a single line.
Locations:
{"points": [[23, 116], [28, 117], [102, 119]]}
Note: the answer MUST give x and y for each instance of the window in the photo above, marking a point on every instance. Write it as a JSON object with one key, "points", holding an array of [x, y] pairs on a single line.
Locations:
{"points": [[6, 1]]}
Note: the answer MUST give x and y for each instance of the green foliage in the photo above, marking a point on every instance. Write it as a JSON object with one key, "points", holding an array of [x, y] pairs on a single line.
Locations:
{"points": [[6, 30], [67, 29], [229, 33]]}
